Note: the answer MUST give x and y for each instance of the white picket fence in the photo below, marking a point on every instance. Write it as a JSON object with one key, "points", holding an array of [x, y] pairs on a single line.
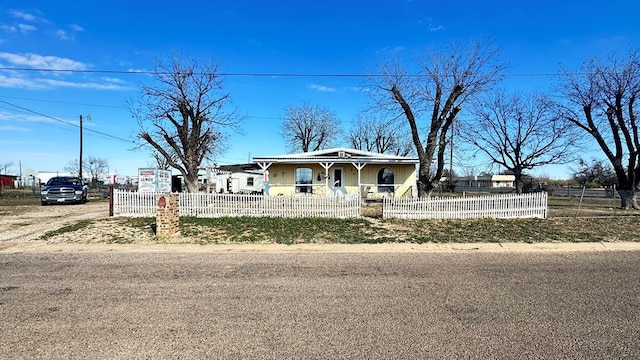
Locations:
{"points": [[490, 206], [135, 204]]}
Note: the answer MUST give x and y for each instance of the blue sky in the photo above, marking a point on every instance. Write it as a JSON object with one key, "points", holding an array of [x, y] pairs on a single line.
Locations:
{"points": [[38, 109]]}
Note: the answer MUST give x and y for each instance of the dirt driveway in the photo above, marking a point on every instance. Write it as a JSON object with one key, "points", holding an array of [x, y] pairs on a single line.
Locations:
{"points": [[27, 223]]}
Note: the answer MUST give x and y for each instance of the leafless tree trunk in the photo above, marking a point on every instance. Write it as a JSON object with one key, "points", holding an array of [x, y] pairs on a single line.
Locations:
{"points": [[601, 100], [182, 115], [520, 132], [310, 128], [436, 94]]}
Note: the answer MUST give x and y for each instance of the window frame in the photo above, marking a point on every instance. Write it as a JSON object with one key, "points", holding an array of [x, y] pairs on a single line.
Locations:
{"points": [[382, 182], [301, 187]]}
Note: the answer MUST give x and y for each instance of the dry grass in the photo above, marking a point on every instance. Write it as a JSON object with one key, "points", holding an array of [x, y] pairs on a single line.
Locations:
{"points": [[570, 220]]}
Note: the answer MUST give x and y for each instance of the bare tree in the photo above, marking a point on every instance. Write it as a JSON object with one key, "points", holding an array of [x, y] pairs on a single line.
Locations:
{"points": [[601, 100], [92, 167], [520, 132], [95, 166], [446, 82], [309, 128], [5, 166], [161, 161], [375, 134], [72, 167], [183, 114]]}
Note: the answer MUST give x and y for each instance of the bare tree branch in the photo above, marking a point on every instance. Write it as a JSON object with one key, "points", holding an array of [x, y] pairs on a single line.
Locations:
{"points": [[310, 128], [448, 81], [520, 132], [183, 114], [600, 99]]}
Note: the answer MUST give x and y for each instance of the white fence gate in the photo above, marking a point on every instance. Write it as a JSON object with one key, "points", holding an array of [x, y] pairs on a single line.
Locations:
{"points": [[491, 206], [135, 204]]}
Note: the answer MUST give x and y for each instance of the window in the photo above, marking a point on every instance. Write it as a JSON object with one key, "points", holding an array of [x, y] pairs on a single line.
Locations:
{"points": [[386, 179], [304, 178], [250, 181]]}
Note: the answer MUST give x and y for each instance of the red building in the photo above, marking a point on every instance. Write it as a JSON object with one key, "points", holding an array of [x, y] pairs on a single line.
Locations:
{"points": [[8, 180]]}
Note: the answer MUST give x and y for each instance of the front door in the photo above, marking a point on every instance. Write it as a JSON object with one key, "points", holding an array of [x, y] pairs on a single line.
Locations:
{"points": [[337, 181]]}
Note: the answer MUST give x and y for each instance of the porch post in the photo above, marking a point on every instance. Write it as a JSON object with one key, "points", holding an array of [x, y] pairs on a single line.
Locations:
{"points": [[359, 166], [265, 182], [326, 167]]}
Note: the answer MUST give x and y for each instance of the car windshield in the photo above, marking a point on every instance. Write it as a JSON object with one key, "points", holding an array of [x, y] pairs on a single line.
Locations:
{"points": [[63, 181]]}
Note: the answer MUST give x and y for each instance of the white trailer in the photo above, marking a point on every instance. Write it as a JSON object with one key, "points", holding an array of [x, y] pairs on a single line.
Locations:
{"points": [[239, 182]]}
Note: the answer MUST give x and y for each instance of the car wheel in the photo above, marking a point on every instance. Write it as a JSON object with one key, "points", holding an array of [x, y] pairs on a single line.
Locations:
{"points": [[43, 203]]}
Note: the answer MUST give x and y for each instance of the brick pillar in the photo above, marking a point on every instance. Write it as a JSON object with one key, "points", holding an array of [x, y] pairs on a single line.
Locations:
{"points": [[168, 216]]}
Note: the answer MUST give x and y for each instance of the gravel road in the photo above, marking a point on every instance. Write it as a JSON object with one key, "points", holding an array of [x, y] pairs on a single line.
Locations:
{"points": [[151, 305]]}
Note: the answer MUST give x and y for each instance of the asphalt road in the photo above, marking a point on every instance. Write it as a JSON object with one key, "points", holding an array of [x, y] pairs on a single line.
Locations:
{"points": [[154, 305]]}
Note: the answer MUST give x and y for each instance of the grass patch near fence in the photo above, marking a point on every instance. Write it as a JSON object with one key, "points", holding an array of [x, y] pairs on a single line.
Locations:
{"points": [[351, 231], [281, 230], [67, 229], [519, 230]]}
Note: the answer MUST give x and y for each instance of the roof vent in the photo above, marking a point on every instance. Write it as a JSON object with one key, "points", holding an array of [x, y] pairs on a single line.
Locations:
{"points": [[341, 154]]}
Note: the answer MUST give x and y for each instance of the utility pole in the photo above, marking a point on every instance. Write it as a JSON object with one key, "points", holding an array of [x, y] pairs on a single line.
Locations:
{"points": [[80, 162]]}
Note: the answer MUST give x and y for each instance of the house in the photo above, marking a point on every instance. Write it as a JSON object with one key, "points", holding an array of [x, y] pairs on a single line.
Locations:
{"points": [[486, 181], [339, 172], [239, 178]]}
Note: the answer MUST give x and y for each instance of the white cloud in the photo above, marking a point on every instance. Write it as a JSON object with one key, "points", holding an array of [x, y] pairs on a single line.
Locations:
{"points": [[321, 88], [113, 80], [23, 15], [19, 82], [76, 27], [22, 118], [63, 35], [9, 29], [390, 50], [25, 28], [360, 89], [13, 128], [434, 28], [78, 85], [42, 62]]}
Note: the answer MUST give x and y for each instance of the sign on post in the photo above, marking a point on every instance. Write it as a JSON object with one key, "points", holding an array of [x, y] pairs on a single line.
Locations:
{"points": [[154, 180]]}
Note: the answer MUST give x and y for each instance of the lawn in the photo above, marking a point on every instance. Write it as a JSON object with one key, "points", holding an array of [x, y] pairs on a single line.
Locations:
{"points": [[570, 219]]}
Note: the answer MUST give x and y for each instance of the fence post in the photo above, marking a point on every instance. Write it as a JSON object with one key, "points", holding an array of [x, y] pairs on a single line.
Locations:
{"points": [[110, 200]]}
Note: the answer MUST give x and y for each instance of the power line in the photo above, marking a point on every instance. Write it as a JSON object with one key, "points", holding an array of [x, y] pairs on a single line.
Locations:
{"points": [[67, 122], [259, 74], [61, 102]]}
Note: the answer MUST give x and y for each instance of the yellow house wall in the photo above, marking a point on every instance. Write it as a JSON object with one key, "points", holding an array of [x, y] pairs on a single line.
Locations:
{"points": [[282, 179]]}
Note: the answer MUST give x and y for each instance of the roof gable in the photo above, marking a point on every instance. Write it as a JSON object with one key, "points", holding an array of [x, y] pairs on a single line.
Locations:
{"points": [[341, 155]]}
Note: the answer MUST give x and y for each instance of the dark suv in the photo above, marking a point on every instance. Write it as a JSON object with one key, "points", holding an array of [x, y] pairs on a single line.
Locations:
{"points": [[64, 189]]}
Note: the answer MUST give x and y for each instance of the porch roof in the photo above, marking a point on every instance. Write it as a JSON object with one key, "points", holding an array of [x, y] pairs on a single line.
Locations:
{"points": [[337, 155]]}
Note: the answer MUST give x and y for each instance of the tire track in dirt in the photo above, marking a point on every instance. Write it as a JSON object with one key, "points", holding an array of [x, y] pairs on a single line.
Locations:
{"points": [[31, 222]]}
